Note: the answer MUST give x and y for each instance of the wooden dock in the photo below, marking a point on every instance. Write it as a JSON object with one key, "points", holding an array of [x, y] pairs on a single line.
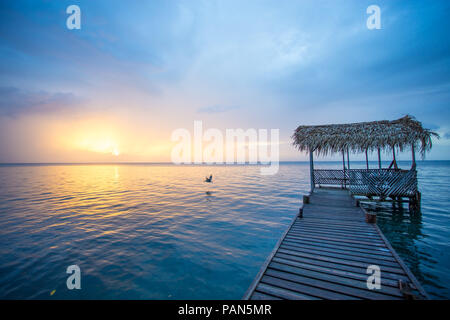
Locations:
{"points": [[325, 255]]}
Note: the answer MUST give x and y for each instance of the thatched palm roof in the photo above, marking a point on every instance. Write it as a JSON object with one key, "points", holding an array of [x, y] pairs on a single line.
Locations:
{"points": [[362, 136]]}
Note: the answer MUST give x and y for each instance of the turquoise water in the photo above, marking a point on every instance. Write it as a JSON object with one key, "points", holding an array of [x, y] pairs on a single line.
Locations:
{"points": [[160, 232]]}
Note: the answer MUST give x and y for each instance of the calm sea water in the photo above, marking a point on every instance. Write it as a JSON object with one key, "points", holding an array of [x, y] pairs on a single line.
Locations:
{"points": [[160, 232]]}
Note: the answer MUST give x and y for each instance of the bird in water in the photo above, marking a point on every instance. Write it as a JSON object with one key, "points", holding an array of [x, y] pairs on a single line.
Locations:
{"points": [[208, 179]]}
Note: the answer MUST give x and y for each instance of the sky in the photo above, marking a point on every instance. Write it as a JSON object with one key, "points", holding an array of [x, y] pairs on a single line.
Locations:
{"points": [[116, 89]]}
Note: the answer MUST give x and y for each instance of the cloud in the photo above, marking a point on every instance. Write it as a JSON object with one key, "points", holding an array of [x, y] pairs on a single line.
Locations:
{"points": [[216, 109], [15, 101]]}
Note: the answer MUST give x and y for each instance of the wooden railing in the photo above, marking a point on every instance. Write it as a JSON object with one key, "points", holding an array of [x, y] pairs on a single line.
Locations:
{"points": [[372, 182], [333, 177]]}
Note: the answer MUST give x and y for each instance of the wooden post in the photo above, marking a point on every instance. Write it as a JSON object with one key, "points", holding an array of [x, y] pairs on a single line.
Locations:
{"points": [[371, 217], [311, 169], [367, 161], [305, 199], [413, 157], [343, 168], [394, 161], [414, 203], [379, 158], [348, 160]]}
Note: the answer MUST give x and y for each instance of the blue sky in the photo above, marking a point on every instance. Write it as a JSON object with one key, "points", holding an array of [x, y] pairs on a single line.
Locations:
{"points": [[137, 70]]}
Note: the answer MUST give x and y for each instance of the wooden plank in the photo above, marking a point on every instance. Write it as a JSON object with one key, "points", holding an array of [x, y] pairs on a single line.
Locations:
{"points": [[341, 273], [330, 277], [300, 231], [336, 221], [333, 226], [327, 224], [335, 252], [327, 233], [340, 267], [336, 212], [342, 251], [338, 206], [344, 230], [305, 289], [338, 260], [334, 245], [262, 296], [341, 244], [335, 237], [368, 261], [333, 222], [337, 240], [313, 236], [330, 286], [282, 293]]}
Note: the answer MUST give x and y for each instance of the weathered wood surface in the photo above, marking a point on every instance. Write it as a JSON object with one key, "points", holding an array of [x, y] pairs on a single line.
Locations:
{"points": [[325, 255]]}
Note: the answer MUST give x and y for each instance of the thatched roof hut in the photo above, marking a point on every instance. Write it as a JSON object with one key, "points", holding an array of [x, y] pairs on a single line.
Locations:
{"points": [[364, 136]]}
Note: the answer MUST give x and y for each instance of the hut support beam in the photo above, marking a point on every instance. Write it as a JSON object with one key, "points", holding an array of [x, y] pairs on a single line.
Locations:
{"points": [[379, 159], [348, 160], [394, 161], [413, 157], [367, 161], [343, 167], [311, 169]]}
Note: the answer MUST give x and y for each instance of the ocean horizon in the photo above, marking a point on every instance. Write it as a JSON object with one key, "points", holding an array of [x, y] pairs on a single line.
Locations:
{"points": [[360, 163]]}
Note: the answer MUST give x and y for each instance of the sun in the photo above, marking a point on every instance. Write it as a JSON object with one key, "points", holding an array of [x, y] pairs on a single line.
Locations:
{"points": [[105, 145]]}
